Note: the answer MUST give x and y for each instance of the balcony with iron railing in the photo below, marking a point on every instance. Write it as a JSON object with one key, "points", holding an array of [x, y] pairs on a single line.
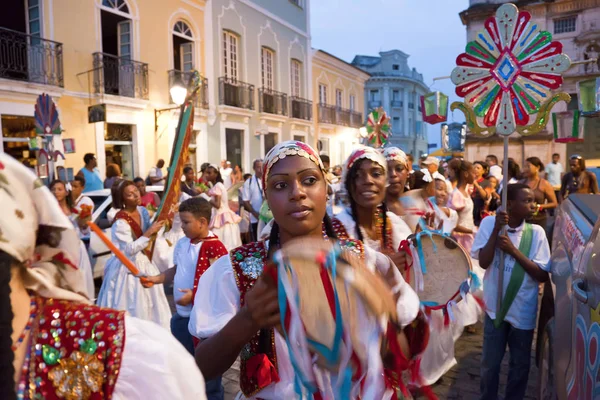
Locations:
{"points": [[301, 108], [356, 119], [236, 93], [183, 78], [29, 58], [342, 116], [326, 113], [374, 103], [120, 76], [272, 102], [397, 103]]}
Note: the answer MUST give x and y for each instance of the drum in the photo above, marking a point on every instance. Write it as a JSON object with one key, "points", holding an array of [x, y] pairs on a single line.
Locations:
{"points": [[335, 311], [441, 271]]}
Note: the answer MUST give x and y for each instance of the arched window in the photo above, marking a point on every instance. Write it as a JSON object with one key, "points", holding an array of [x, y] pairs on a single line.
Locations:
{"points": [[117, 5], [183, 47]]}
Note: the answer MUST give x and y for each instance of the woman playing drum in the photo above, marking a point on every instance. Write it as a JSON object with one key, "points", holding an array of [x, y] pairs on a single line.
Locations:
{"points": [[234, 300]]}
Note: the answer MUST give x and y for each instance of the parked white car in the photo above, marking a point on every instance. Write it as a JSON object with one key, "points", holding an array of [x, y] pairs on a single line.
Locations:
{"points": [[99, 253]]}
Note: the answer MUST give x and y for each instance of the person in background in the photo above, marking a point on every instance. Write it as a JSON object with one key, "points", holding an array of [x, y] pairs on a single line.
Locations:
{"points": [[237, 175], [188, 186], [65, 202], [461, 201], [410, 160], [397, 177], [78, 200], [146, 197], [244, 214], [495, 169], [226, 172], [480, 192], [543, 193], [526, 264], [514, 174], [131, 232], [113, 173], [253, 197], [579, 180], [90, 173], [193, 255], [224, 222], [554, 173], [432, 164], [155, 176]]}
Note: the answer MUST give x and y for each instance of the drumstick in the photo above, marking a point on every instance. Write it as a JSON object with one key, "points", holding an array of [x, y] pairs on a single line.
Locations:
{"points": [[115, 250]]}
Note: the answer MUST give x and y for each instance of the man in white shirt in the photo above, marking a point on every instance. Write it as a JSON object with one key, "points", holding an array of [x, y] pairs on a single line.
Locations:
{"points": [[495, 169], [526, 265], [155, 176], [253, 196], [226, 173], [554, 173], [77, 188]]}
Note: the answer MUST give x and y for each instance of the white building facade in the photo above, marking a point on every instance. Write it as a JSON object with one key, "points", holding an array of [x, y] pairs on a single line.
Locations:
{"points": [[398, 89], [260, 63]]}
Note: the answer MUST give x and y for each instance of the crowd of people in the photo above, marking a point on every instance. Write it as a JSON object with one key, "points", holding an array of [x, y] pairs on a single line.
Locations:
{"points": [[227, 227]]}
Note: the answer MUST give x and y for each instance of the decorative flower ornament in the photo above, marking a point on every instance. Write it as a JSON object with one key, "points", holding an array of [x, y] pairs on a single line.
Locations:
{"points": [[77, 376], [378, 128], [507, 74]]}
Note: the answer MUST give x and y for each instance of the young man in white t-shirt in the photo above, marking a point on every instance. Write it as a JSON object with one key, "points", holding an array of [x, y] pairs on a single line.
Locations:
{"points": [[526, 264]]}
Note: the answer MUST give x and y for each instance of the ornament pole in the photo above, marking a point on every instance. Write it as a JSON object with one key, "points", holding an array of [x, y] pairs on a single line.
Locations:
{"points": [[503, 231]]}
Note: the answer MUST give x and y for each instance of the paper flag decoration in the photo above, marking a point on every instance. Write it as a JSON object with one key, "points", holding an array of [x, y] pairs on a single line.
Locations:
{"points": [[46, 116]]}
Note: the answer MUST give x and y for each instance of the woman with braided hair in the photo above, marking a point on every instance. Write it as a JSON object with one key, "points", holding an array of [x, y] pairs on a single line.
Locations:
{"points": [[54, 343], [236, 307], [367, 218]]}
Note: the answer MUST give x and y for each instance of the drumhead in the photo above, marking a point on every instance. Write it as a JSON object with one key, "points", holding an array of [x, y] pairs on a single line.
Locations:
{"points": [[446, 264]]}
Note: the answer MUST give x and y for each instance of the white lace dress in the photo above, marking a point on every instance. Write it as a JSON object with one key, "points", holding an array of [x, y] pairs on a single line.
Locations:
{"points": [[123, 291], [224, 222]]}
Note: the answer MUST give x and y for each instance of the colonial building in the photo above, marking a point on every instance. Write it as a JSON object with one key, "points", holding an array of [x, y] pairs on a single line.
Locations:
{"points": [[124, 54], [397, 88], [576, 24], [338, 90], [260, 63]]}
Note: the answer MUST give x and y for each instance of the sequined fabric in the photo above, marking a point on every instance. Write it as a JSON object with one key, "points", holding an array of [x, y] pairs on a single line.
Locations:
{"points": [[248, 263], [212, 248], [75, 352]]}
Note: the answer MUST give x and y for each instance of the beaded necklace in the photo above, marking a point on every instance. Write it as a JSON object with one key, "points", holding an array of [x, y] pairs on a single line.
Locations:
{"points": [[32, 312], [381, 236]]}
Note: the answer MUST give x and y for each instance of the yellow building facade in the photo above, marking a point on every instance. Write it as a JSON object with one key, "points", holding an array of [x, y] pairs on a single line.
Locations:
{"points": [[124, 54], [338, 93], [121, 57]]}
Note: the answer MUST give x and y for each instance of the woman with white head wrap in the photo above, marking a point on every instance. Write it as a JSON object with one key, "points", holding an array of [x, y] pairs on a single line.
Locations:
{"points": [[397, 167], [61, 346]]}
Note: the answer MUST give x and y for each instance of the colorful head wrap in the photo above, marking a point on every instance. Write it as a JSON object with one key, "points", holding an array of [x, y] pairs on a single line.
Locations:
{"points": [[35, 231], [289, 148], [395, 154], [360, 153]]}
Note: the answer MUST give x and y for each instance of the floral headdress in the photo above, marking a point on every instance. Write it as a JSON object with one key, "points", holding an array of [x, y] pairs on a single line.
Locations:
{"points": [[290, 148], [395, 154], [35, 231]]}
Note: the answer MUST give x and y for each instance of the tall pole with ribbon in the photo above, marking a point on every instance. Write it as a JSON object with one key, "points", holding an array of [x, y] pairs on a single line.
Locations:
{"points": [[507, 76]]}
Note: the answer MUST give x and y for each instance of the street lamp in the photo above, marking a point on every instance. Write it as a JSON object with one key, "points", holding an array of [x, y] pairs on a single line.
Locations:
{"points": [[178, 94]]}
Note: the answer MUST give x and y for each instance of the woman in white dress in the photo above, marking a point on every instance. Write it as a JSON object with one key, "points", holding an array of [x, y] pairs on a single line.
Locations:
{"points": [[461, 201], [224, 222], [106, 354], [131, 232]]}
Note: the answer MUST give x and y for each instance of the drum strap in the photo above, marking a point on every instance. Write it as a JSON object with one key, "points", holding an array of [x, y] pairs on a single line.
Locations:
{"points": [[516, 277]]}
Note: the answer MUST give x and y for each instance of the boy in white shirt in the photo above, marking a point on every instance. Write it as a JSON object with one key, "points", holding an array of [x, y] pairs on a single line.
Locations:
{"points": [[526, 264], [193, 255]]}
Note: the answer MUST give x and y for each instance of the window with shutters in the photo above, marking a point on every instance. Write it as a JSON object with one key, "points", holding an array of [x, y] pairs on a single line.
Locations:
{"points": [[230, 55], [183, 47], [352, 102], [339, 94], [267, 67], [296, 78], [322, 94]]}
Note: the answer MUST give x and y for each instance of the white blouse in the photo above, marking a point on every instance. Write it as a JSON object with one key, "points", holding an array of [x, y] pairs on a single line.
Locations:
{"points": [[217, 301], [156, 366]]}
